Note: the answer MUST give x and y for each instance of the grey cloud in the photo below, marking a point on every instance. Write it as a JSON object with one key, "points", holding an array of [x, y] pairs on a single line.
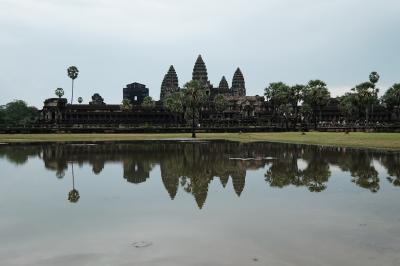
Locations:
{"points": [[117, 42]]}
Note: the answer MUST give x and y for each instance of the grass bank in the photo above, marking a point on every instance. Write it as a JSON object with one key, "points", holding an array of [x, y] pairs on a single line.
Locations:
{"points": [[354, 139]]}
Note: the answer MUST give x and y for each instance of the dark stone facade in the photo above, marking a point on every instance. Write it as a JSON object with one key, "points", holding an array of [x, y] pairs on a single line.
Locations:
{"points": [[135, 92], [56, 111]]}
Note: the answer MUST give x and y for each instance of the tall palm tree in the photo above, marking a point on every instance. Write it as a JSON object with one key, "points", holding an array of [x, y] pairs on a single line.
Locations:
{"points": [[73, 74], [374, 78], [194, 98]]}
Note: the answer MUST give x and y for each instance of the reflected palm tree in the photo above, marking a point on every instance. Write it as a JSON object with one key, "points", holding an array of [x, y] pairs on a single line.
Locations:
{"points": [[73, 195]]}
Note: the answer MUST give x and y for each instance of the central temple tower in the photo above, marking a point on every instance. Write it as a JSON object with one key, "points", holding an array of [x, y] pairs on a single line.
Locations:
{"points": [[200, 71], [238, 85]]}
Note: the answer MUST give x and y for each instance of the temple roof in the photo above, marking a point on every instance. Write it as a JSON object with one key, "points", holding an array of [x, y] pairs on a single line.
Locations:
{"points": [[238, 78], [169, 83], [200, 70], [170, 79], [238, 84], [223, 84]]}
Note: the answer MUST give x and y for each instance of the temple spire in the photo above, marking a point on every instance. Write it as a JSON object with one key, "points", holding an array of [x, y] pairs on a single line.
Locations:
{"points": [[223, 84], [169, 84], [238, 84], [200, 71]]}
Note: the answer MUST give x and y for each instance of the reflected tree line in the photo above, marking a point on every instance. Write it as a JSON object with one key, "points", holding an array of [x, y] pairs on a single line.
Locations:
{"points": [[193, 166]]}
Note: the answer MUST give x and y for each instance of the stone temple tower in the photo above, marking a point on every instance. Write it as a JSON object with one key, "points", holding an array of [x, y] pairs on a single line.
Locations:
{"points": [[200, 71], [238, 85], [169, 84], [223, 84]]}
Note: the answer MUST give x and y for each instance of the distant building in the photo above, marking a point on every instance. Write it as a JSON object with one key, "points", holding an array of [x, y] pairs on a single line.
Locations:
{"points": [[135, 92]]}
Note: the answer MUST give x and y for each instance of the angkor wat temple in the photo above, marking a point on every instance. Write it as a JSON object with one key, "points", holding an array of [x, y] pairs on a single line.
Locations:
{"points": [[240, 111]]}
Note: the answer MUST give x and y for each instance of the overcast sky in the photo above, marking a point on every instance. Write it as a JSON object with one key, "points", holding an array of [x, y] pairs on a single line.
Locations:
{"points": [[117, 42]]}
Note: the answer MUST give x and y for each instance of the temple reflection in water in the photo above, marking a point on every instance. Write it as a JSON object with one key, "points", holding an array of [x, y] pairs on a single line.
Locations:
{"points": [[194, 165]]}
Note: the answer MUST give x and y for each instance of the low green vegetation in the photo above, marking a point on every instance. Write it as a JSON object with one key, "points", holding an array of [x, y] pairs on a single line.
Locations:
{"points": [[17, 113], [354, 139]]}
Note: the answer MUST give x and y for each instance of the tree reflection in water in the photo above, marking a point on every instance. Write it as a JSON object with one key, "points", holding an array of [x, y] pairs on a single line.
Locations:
{"points": [[194, 165], [73, 195]]}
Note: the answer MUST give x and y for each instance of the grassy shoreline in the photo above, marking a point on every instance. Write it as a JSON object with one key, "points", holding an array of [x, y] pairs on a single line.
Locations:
{"points": [[390, 141]]}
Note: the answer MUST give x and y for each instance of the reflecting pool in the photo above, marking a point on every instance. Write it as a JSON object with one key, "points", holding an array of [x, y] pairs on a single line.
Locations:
{"points": [[198, 203]]}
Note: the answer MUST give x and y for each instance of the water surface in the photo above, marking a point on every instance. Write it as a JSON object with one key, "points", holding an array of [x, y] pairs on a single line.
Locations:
{"points": [[183, 203]]}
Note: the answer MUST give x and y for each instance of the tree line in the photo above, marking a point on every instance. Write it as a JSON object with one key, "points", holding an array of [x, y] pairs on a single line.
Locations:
{"points": [[306, 102], [18, 112]]}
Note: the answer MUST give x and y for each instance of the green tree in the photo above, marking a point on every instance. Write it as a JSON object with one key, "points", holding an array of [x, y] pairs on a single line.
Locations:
{"points": [[348, 105], [59, 92], [391, 99], [2, 114], [276, 93], [220, 103], [295, 97], [306, 112], [126, 105], [316, 95], [148, 102], [72, 72], [18, 112], [194, 97], [286, 112], [367, 95], [174, 102], [80, 100]]}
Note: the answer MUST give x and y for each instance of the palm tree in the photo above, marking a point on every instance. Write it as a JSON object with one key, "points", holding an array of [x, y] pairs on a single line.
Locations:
{"points": [[73, 74], [194, 97], [59, 92], [374, 78]]}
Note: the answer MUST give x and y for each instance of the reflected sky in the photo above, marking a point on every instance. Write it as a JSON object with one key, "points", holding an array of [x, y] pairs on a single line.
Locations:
{"points": [[198, 204]]}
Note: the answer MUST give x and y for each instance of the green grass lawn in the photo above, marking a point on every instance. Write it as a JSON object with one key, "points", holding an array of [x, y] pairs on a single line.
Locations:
{"points": [[353, 139]]}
